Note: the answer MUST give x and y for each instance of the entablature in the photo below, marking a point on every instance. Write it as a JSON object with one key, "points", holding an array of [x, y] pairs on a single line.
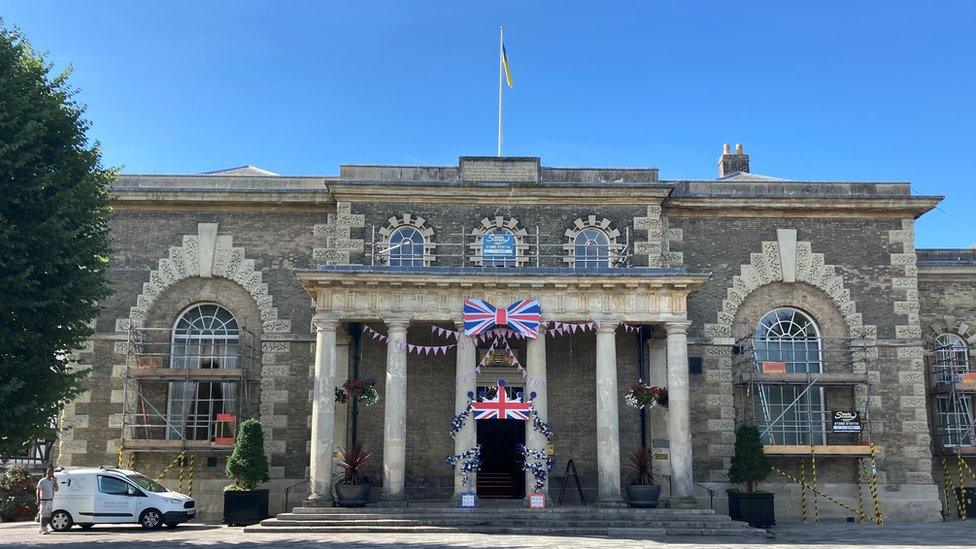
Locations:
{"points": [[437, 294]]}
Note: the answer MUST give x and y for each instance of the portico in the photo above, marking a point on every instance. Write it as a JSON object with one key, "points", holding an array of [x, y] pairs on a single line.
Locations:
{"points": [[398, 297]]}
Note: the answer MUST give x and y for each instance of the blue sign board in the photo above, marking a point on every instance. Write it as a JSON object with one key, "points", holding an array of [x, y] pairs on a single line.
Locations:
{"points": [[498, 243]]}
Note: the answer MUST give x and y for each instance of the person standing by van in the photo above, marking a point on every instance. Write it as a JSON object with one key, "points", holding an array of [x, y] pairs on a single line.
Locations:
{"points": [[46, 487]]}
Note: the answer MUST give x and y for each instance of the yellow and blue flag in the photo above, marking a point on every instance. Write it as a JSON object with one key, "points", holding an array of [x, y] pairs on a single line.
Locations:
{"points": [[508, 71]]}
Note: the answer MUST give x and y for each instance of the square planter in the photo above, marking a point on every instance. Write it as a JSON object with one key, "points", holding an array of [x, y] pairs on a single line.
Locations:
{"points": [[755, 509], [243, 507]]}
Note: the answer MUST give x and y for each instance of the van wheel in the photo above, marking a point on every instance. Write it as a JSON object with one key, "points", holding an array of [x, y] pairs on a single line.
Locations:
{"points": [[151, 519], [86, 526], [61, 521]]}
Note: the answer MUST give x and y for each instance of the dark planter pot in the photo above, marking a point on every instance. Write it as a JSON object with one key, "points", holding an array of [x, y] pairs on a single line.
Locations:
{"points": [[756, 509], [352, 495], [643, 495], [242, 507]]}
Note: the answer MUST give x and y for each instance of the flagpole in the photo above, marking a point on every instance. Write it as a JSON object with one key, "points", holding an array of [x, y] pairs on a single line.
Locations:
{"points": [[501, 45]]}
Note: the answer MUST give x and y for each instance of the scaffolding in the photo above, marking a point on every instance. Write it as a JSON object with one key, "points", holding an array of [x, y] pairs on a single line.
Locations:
{"points": [[952, 382], [518, 247], [184, 391], [806, 393]]}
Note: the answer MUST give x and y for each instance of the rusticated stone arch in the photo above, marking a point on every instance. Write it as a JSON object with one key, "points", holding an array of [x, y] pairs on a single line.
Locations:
{"points": [[408, 220], [591, 222], [210, 255], [499, 222], [786, 260]]}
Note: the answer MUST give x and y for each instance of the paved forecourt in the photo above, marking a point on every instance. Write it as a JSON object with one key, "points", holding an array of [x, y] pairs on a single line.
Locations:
{"points": [[824, 536]]}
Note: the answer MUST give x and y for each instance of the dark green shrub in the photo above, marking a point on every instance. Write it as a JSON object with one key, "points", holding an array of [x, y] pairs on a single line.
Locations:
{"points": [[750, 465], [248, 465]]}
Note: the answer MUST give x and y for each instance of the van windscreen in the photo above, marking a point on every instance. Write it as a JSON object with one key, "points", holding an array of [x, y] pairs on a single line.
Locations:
{"points": [[147, 484]]}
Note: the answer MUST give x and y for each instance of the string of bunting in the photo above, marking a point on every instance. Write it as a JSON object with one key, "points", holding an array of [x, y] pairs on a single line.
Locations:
{"points": [[495, 335], [410, 347]]}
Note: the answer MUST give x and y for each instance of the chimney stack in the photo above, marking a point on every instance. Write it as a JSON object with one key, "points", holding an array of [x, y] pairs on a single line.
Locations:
{"points": [[730, 164]]}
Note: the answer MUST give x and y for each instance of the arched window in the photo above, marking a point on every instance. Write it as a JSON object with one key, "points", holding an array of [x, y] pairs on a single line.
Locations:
{"points": [[206, 336], [792, 414], [591, 249], [951, 351], [406, 247], [499, 248]]}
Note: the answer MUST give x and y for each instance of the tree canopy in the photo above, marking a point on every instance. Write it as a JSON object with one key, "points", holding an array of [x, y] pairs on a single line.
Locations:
{"points": [[54, 243]]}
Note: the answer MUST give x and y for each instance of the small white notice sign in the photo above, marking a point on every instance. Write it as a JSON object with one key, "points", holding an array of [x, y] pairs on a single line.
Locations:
{"points": [[469, 500], [537, 501]]}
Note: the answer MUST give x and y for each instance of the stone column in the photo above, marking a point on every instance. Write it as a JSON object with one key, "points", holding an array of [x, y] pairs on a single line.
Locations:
{"points": [[341, 375], [535, 365], [467, 437], [607, 420], [395, 412], [679, 416], [323, 412]]}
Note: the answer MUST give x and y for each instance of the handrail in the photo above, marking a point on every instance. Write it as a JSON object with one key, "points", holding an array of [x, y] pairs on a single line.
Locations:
{"points": [[711, 493], [287, 491]]}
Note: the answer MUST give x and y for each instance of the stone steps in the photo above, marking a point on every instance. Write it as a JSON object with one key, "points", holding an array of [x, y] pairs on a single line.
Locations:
{"points": [[475, 521], [567, 521], [547, 530]]}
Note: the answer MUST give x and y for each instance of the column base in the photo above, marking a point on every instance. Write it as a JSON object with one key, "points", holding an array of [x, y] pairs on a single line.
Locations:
{"points": [[316, 501], [611, 503], [683, 503], [392, 501]]}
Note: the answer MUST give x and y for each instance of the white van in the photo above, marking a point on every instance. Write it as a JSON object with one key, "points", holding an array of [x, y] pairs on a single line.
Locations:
{"points": [[105, 495]]}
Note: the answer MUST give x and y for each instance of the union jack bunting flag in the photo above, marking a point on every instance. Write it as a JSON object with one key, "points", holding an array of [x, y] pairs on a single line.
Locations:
{"points": [[502, 408], [523, 317]]}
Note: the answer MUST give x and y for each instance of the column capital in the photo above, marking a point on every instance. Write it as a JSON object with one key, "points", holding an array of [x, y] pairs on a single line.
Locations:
{"points": [[323, 322], [677, 326], [397, 324], [607, 326]]}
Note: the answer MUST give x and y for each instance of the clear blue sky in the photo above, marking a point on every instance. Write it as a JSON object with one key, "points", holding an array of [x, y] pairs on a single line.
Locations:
{"points": [[814, 90]]}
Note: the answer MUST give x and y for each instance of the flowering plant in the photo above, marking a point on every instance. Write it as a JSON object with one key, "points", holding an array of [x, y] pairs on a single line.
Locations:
{"points": [[469, 461], [360, 391], [643, 395]]}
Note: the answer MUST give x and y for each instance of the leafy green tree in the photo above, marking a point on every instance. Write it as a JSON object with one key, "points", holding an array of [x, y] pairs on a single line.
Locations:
{"points": [[247, 464], [54, 242], [750, 465]]}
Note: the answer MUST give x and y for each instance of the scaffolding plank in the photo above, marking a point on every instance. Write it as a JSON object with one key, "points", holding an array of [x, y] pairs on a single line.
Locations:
{"points": [[825, 378], [171, 445], [819, 449], [182, 374]]}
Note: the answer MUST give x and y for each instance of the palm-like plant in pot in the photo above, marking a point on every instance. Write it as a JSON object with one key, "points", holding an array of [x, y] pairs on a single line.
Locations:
{"points": [[750, 466], [247, 466], [641, 488], [352, 489]]}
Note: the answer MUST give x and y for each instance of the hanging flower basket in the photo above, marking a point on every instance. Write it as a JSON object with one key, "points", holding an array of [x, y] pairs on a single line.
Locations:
{"points": [[359, 391], [643, 395]]}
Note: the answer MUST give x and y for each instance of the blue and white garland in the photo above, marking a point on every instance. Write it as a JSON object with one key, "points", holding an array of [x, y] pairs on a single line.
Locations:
{"points": [[538, 463], [469, 460], [460, 419]]}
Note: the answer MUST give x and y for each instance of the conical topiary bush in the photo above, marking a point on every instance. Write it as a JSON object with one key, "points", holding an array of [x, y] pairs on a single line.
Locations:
{"points": [[248, 465], [750, 465]]}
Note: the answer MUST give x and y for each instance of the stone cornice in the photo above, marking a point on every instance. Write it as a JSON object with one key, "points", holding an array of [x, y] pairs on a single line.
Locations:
{"points": [[362, 294], [522, 193], [144, 199], [954, 272], [797, 206]]}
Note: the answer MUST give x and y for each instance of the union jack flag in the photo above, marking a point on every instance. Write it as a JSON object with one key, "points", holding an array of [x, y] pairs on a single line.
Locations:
{"points": [[502, 408], [522, 316]]}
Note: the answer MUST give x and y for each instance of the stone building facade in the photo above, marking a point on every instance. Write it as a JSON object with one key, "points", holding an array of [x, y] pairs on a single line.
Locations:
{"points": [[751, 298]]}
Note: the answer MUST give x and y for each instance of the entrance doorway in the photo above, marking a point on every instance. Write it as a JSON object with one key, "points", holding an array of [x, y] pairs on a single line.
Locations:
{"points": [[501, 474]]}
